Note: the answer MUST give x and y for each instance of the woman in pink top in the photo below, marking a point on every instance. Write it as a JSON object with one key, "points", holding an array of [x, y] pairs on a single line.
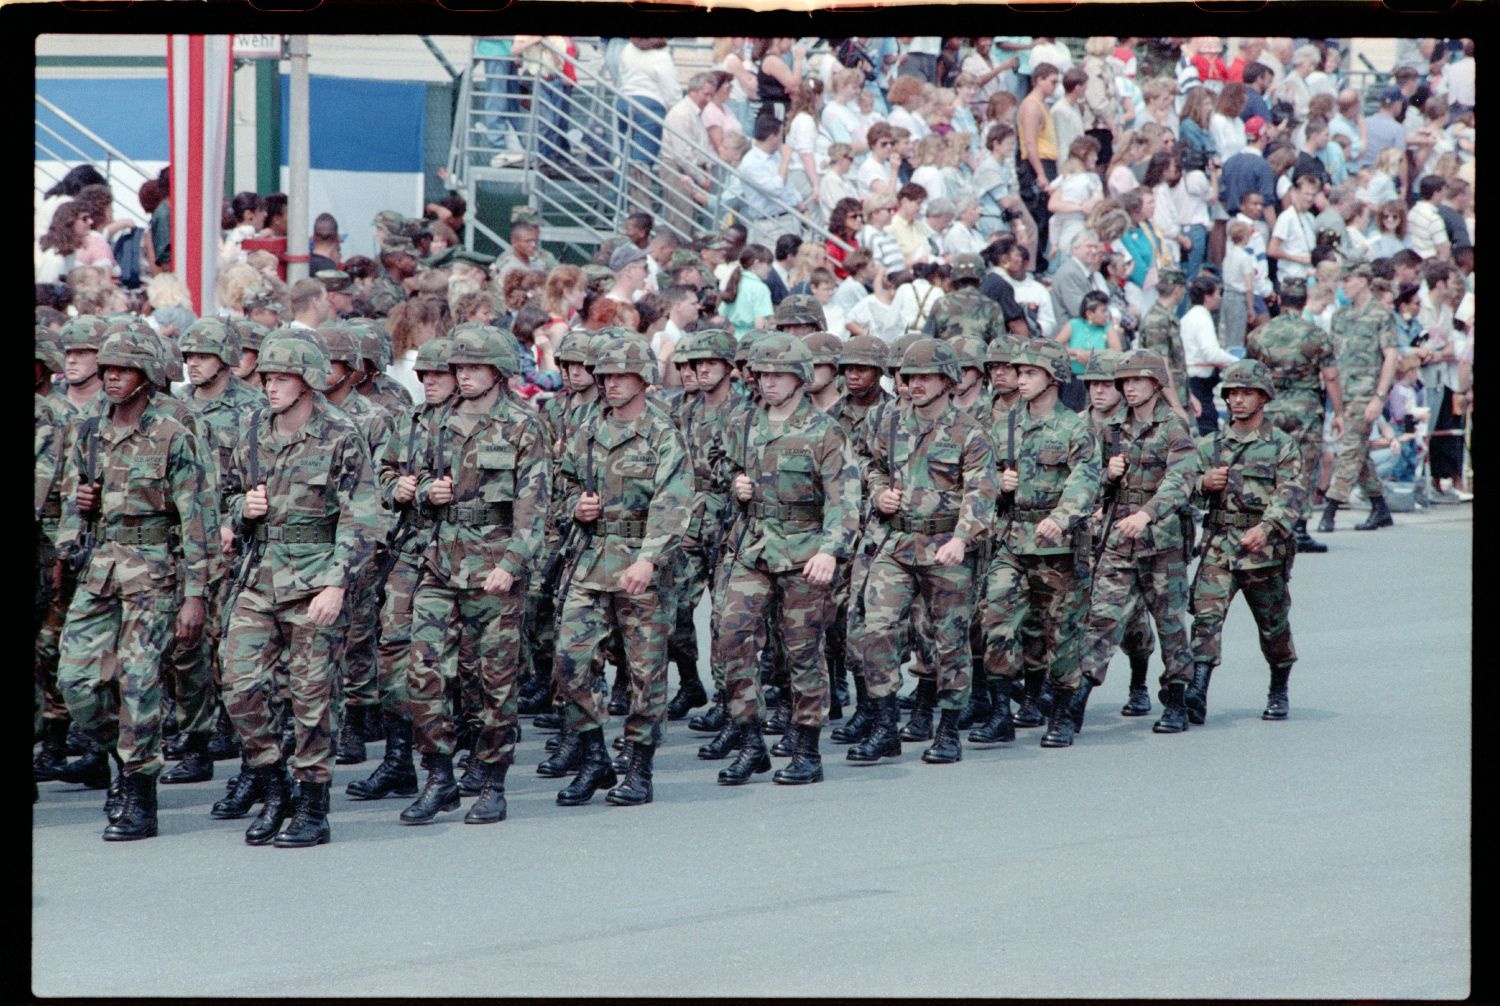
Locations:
{"points": [[719, 122]]}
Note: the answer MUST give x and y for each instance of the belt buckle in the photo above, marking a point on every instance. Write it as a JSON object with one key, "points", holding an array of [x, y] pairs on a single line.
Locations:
{"points": [[275, 534]]}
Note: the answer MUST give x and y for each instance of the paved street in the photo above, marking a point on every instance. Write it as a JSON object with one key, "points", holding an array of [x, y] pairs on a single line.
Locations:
{"points": [[1325, 856]]}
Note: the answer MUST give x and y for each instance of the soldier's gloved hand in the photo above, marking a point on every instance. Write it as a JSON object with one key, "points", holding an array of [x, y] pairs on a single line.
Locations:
{"points": [[587, 510], [1134, 526], [637, 578], [1116, 467], [889, 501], [1255, 539], [819, 569], [190, 621], [87, 497], [743, 488], [256, 503], [952, 553], [406, 489], [498, 582], [1216, 479], [1049, 530], [440, 493], [325, 607], [1009, 480]]}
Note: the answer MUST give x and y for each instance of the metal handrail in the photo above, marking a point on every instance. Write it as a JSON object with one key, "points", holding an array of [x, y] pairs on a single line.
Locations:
{"points": [[106, 146], [112, 154]]}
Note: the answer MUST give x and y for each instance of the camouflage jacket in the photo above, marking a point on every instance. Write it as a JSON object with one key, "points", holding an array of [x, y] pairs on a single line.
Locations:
{"points": [[375, 424], [806, 488], [562, 417], [542, 261], [1295, 351], [1058, 467], [498, 457], [704, 430], [851, 414], [319, 477], [385, 295], [409, 450], [1159, 333], [945, 467], [965, 311], [1150, 449], [47, 437], [977, 410], [153, 476], [640, 470], [388, 393], [223, 419], [1264, 468], [1361, 335]]}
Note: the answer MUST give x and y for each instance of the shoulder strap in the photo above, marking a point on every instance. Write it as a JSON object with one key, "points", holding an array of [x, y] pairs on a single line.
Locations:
{"points": [[90, 435], [254, 451]]}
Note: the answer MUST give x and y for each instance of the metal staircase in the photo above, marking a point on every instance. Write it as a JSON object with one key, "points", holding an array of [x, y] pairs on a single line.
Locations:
{"points": [[66, 143]]}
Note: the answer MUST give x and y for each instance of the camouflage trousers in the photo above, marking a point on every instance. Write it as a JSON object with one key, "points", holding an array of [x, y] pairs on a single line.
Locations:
{"points": [[117, 643], [190, 671], [48, 643], [361, 678], [918, 638], [936, 602], [803, 610], [691, 579], [262, 634], [1033, 616], [393, 653], [644, 623], [443, 620], [540, 633], [1302, 419], [1354, 464], [1126, 591], [1269, 596]]}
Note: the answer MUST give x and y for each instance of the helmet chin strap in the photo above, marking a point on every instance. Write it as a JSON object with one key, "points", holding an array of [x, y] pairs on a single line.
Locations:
{"points": [[306, 389], [481, 393], [709, 389], [140, 389], [211, 378], [80, 381]]}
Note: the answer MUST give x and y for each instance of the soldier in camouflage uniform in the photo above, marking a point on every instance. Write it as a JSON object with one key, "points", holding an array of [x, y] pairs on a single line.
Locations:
{"points": [[407, 453], [969, 396], [1160, 333], [964, 310], [251, 334], [134, 477], [50, 410], [629, 484], [1038, 579], [491, 485], [263, 306], [826, 348], [932, 480], [1364, 334], [1142, 566], [1303, 366], [1248, 476], [309, 518], [795, 475], [398, 258], [375, 357]]}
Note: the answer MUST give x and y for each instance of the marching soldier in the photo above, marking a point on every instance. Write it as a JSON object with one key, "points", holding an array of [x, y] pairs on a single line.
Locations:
{"points": [[824, 390], [964, 310], [50, 416], [370, 378], [251, 336], [969, 396], [1160, 333]]}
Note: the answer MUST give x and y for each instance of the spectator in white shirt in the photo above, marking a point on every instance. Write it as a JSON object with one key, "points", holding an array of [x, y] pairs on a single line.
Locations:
{"points": [[915, 297], [768, 198], [1425, 232], [878, 172], [681, 303], [823, 283], [1294, 236], [879, 209], [852, 290], [962, 236], [907, 98], [1201, 350], [877, 313], [685, 155], [1067, 111], [840, 118], [1458, 76], [1028, 291], [836, 183]]}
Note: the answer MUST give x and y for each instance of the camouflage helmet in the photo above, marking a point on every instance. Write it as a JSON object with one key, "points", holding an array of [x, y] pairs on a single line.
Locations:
{"points": [[433, 355], [49, 351], [745, 348], [864, 351], [1048, 355], [475, 343], [214, 337], [779, 353], [1001, 350], [931, 356], [1248, 374], [1142, 363], [898, 350], [172, 365], [1101, 366], [967, 266], [340, 345], [969, 350], [374, 341], [825, 347], [251, 333], [129, 346], [84, 332], [289, 351], [576, 347], [800, 309], [262, 298], [598, 277], [706, 344], [627, 356]]}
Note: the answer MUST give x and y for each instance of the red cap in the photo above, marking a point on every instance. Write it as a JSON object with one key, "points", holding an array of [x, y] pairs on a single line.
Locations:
{"points": [[1253, 126]]}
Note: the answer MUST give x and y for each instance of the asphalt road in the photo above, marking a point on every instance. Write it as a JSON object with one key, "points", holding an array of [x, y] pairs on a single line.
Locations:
{"points": [[1324, 856]]}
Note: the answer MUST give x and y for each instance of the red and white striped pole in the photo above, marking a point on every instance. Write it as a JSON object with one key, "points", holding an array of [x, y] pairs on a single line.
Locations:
{"points": [[199, 79]]}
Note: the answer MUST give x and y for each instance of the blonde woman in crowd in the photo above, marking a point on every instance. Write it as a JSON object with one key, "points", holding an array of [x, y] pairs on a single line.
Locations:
{"points": [[171, 305], [233, 282]]}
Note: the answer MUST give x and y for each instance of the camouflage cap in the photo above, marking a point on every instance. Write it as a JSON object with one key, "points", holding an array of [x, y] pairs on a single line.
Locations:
{"points": [[49, 351], [340, 345], [1101, 365], [575, 348], [1048, 355], [398, 244], [627, 356], [128, 346], [251, 333], [931, 356], [898, 350], [706, 344], [484, 345], [800, 309], [1248, 374], [374, 342], [1141, 363], [1362, 270], [864, 351], [969, 350], [524, 214], [598, 277], [967, 266], [1170, 276], [335, 280], [84, 332], [389, 220], [825, 347], [779, 353], [262, 298], [1001, 350], [289, 351], [173, 367], [746, 345], [433, 355], [682, 258], [716, 242], [1294, 287], [214, 337], [413, 227]]}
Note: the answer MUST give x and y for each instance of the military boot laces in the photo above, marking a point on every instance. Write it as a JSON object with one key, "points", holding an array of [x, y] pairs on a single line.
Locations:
{"points": [[246, 790], [884, 740], [723, 744], [440, 792], [195, 766], [689, 696], [946, 747], [635, 788], [395, 775], [1139, 702], [535, 697], [1000, 728], [1277, 703], [781, 712], [1027, 713], [472, 781], [309, 824], [596, 772], [751, 756], [173, 749], [1196, 696], [276, 809], [1380, 516], [138, 812], [712, 720], [806, 766], [858, 726], [565, 760], [490, 807], [919, 725], [786, 744], [53, 753], [351, 746], [1060, 728], [1174, 713], [622, 760], [223, 743]]}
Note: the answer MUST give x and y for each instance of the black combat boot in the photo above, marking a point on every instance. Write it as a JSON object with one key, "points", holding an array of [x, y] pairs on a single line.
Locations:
{"points": [[786, 746], [723, 744], [396, 775], [223, 743], [1305, 541], [276, 809], [1330, 509], [89, 769], [781, 712], [1000, 728], [536, 697], [567, 759], [712, 720], [552, 719], [859, 725], [138, 815], [370, 727], [1277, 705], [1060, 728], [946, 748], [621, 761], [919, 725], [248, 790], [1080, 703], [690, 695], [635, 788], [351, 744], [195, 766], [472, 781], [173, 748], [54, 751], [78, 741], [619, 695], [977, 709], [309, 823], [597, 773], [884, 740], [1044, 697], [490, 807], [440, 792], [1174, 713], [838, 690], [806, 765], [114, 797], [1196, 697], [288, 732], [1027, 714], [1380, 516], [1139, 703], [751, 756]]}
